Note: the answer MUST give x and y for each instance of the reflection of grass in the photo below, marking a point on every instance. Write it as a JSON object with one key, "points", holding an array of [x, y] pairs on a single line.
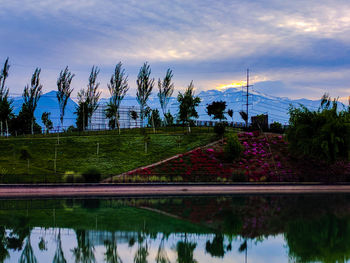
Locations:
{"points": [[117, 154], [122, 218]]}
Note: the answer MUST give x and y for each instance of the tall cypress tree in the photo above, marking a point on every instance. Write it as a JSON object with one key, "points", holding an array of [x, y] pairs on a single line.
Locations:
{"points": [[64, 90], [118, 87], [144, 88], [5, 102]]}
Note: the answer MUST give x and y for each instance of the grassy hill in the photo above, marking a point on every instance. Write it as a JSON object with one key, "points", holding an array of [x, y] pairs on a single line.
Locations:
{"points": [[31, 159]]}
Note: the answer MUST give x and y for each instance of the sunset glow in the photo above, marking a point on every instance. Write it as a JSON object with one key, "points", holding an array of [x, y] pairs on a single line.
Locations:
{"points": [[232, 85]]}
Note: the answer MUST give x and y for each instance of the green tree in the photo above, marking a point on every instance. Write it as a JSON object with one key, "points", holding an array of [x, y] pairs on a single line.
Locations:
{"points": [[188, 103], [118, 87], [217, 109], [31, 96], [323, 134], [45, 118], [82, 113], [166, 90], [88, 99], [134, 116], [5, 102], [154, 119], [169, 119], [144, 88], [64, 90]]}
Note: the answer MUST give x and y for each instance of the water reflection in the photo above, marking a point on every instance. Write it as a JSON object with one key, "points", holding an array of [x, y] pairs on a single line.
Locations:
{"points": [[293, 228]]}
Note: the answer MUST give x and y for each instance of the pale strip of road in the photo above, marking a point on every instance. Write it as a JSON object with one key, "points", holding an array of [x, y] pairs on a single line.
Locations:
{"points": [[139, 190]]}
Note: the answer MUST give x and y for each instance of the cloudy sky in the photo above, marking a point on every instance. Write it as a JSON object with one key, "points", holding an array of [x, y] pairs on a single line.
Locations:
{"points": [[293, 48]]}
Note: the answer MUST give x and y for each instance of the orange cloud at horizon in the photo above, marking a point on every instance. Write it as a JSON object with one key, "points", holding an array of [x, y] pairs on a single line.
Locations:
{"points": [[232, 85]]}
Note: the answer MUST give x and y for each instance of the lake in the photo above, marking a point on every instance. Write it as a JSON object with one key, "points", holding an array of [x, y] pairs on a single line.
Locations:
{"points": [[237, 228]]}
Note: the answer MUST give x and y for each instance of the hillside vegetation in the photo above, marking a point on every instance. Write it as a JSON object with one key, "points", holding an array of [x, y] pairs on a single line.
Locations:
{"points": [[32, 159]]}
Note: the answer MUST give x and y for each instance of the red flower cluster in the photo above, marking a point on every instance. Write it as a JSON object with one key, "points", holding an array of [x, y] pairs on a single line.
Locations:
{"points": [[261, 160], [203, 165], [258, 163]]}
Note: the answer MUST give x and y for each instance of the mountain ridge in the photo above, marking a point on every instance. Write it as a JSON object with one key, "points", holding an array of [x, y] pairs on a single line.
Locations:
{"points": [[260, 103]]}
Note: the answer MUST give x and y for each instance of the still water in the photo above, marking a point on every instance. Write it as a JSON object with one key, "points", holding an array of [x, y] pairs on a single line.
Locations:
{"points": [[250, 228]]}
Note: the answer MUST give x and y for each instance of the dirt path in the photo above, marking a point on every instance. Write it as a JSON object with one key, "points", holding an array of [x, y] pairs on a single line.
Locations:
{"points": [[181, 189]]}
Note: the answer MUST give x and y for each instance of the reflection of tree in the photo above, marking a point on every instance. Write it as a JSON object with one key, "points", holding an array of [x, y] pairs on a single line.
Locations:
{"points": [[3, 245], [111, 255], [42, 244], [216, 247], [162, 256], [84, 252], [27, 255], [326, 239], [244, 247], [18, 233], [185, 251], [142, 250], [59, 256]]}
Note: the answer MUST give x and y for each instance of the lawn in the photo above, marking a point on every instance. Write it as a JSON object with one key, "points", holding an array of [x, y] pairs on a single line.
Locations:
{"points": [[110, 153]]}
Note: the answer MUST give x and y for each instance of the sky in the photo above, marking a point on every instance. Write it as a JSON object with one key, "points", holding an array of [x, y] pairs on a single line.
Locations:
{"points": [[295, 49]]}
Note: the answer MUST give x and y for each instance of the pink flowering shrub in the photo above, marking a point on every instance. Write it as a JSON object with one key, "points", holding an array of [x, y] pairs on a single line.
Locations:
{"points": [[262, 158], [197, 165]]}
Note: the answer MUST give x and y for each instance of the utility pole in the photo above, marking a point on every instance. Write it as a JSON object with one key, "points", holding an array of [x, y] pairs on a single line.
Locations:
{"points": [[247, 99]]}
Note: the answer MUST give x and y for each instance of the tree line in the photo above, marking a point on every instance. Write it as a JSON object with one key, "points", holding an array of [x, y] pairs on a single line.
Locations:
{"points": [[88, 100]]}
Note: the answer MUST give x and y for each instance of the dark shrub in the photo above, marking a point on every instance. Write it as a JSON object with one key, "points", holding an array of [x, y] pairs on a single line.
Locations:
{"points": [[233, 147], [24, 153], [72, 129], [323, 134], [91, 175], [276, 127], [219, 128], [239, 177], [72, 177]]}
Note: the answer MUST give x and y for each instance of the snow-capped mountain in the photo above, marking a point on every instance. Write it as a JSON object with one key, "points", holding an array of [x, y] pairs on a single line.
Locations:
{"points": [[48, 102], [259, 103]]}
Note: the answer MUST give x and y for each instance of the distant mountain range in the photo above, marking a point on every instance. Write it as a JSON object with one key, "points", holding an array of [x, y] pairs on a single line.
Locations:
{"points": [[275, 107], [48, 102]]}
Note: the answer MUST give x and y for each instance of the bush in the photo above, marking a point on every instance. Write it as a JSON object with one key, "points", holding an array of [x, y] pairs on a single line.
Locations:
{"points": [[178, 179], [72, 129], [219, 128], [91, 175], [276, 127], [153, 178], [321, 135], [72, 177], [233, 147], [164, 179], [240, 177], [24, 153]]}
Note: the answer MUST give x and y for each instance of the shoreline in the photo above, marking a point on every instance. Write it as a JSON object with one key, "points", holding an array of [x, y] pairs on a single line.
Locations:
{"points": [[114, 190]]}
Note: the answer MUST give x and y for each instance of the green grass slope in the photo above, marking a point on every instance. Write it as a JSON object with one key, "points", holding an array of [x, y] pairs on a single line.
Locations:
{"points": [[116, 154]]}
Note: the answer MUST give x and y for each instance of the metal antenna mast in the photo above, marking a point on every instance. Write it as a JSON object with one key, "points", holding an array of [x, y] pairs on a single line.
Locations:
{"points": [[247, 95]]}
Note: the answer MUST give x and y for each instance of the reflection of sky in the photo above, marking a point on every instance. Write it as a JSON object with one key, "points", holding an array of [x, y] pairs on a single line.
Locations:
{"points": [[271, 249]]}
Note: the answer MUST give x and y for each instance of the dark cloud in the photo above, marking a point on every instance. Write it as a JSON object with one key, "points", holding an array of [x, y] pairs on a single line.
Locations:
{"points": [[291, 46]]}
